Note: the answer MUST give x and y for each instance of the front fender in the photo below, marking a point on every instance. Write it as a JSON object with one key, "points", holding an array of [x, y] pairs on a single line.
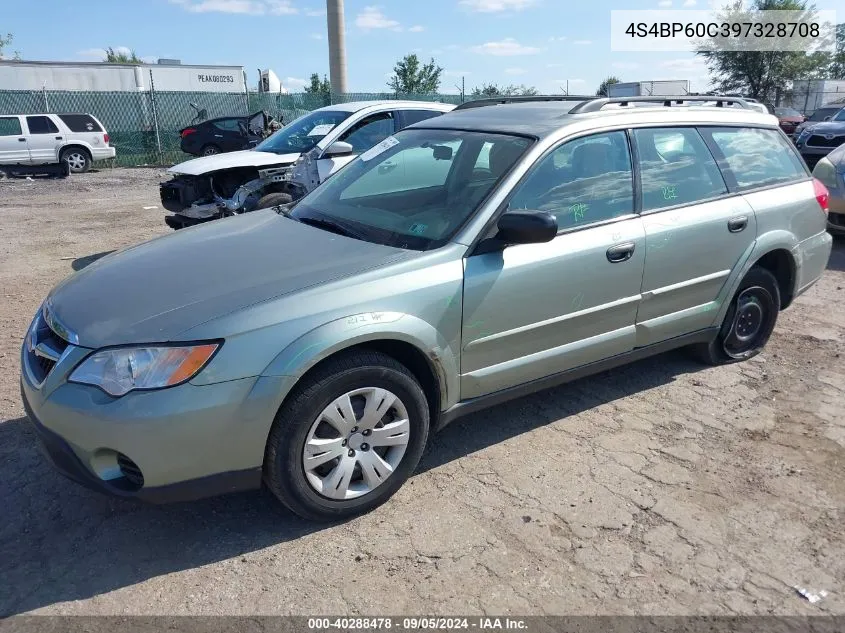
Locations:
{"points": [[320, 343]]}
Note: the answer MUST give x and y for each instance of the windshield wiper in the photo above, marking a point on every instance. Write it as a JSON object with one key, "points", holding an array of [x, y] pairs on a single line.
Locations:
{"points": [[331, 225]]}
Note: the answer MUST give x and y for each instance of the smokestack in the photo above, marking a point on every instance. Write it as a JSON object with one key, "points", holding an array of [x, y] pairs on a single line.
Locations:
{"points": [[337, 45]]}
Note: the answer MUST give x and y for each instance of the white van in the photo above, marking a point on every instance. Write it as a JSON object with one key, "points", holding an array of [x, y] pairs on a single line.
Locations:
{"points": [[43, 139]]}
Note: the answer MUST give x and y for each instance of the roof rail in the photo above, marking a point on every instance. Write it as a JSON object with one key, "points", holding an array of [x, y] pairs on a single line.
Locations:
{"points": [[594, 105], [479, 103]]}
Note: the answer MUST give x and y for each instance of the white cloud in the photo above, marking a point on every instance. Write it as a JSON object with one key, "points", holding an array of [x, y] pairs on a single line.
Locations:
{"points": [[507, 47], [372, 18], [316, 36], [295, 83], [555, 65], [418, 28], [496, 6], [685, 65], [664, 4], [689, 3], [625, 65], [515, 71], [315, 13], [582, 42], [562, 38], [243, 7], [149, 59], [437, 51]]}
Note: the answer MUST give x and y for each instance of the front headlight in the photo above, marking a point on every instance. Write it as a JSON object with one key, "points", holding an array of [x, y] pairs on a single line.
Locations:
{"points": [[121, 370]]}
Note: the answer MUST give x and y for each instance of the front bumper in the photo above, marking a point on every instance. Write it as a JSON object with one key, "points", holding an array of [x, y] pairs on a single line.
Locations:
{"points": [[189, 441]]}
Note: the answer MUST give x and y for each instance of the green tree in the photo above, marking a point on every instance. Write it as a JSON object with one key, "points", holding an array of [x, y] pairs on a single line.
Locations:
{"points": [[494, 90], [7, 41], [119, 57], [319, 86], [837, 62], [601, 91], [411, 77], [761, 74]]}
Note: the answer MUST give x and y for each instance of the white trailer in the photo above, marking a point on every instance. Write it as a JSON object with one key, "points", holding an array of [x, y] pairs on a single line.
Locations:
{"points": [[106, 77], [673, 87]]}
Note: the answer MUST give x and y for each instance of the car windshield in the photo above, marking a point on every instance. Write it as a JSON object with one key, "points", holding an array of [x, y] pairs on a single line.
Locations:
{"points": [[820, 115], [787, 112], [304, 133], [840, 116], [413, 190]]}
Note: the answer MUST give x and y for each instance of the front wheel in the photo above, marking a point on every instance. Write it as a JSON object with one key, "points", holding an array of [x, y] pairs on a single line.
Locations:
{"points": [[274, 200], [347, 438], [749, 321], [210, 150]]}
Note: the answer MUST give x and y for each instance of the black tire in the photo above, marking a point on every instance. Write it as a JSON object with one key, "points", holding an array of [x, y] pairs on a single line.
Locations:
{"points": [[77, 159], [274, 200], [748, 323], [284, 471], [210, 150]]}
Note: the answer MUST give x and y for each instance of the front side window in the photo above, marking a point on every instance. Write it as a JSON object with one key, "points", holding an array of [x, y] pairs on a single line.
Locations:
{"points": [[413, 191], [585, 180], [228, 125], [369, 131], [757, 157], [409, 117], [41, 125], [10, 126], [676, 168], [304, 133]]}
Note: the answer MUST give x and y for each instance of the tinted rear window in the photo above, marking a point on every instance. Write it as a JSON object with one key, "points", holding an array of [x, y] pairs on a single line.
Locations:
{"points": [[80, 123], [757, 157]]}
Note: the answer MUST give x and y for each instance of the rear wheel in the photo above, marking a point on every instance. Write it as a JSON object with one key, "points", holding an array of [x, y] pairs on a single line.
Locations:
{"points": [[274, 200], [210, 150], [749, 321], [347, 438], [77, 160]]}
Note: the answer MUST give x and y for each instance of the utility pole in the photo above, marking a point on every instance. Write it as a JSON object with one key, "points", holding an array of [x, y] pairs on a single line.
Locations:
{"points": [[337, 45]]}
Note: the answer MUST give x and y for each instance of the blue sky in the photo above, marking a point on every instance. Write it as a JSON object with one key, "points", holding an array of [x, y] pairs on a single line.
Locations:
{"points": [[542, 43]]}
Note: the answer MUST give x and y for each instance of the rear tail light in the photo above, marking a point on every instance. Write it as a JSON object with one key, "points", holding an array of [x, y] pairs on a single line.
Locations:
{"points": [[186, 131], [106, 139], [822, 194]]}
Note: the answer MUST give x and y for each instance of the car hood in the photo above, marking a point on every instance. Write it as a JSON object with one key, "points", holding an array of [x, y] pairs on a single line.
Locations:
{"points": [[154, 291], [827, 127], [243, 158]]}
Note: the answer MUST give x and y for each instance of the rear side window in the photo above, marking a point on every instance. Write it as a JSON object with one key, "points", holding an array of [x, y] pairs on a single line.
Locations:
{"points": [[757, 157], [41, 125], [585, 180], [80, 123], [409, 117], [228, 125], [676, 168], [10, 126]]}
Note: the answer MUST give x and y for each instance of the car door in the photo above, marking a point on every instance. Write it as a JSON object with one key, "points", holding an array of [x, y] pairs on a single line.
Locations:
{"points": [[696, 232], [539, 309], [43, 139], [13, 147], [230, 134], [362, 135]]}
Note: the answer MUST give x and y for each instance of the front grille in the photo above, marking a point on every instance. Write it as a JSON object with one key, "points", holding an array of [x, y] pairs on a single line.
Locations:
{"points": [[44, 348], [130, 471], [817, 140], [836, 218]]}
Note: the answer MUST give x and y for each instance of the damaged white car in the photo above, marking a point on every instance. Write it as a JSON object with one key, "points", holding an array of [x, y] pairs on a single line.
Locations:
{"points": [[288, 164]]}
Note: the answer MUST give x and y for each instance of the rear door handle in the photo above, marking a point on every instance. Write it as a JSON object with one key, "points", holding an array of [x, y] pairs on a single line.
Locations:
{"points": [[58, 138], [735, 225], [22, 140], [620, 252]]}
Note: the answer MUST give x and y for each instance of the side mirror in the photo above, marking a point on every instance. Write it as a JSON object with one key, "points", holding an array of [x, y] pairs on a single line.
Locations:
{"points": [[338, 148], [827, 118], [526, 227]]}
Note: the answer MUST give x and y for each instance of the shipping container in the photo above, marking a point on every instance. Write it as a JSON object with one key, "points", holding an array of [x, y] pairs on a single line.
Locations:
{"points": [[672, 87]]}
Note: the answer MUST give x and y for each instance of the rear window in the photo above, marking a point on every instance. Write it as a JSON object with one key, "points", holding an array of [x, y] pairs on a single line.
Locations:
{"points": [[10, 126], [80, 123], [757, 157], [41, 125]]}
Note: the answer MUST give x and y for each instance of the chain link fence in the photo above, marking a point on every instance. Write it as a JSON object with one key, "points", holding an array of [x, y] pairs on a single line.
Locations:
{"points": [[806, 100], [144, 126]]}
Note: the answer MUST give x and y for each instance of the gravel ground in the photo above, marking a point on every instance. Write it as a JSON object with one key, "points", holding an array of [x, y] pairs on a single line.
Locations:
{"points": [[660, 488]]}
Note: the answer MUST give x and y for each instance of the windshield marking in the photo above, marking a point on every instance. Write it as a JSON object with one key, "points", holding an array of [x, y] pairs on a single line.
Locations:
{"points": [[382, 147]]}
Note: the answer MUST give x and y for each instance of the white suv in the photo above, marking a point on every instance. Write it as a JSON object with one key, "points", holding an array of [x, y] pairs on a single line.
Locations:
{"points": [[43, 139]]}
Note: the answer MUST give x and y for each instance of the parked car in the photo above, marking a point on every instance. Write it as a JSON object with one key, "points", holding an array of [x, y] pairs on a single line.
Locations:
{"points": [[213, 187], [224, 134], [818, 140], [831, 171], [40, 139], [316, 347], [825, 113], [789, 119]]}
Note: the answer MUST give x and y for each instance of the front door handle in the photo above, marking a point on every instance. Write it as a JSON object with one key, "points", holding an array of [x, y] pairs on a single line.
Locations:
{"points": [[735, 225], [620, 252], [22, 140], [58, 138]]}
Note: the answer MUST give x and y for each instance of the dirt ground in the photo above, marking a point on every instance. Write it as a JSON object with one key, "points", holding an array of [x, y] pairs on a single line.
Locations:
{"points": [[660, 488]]}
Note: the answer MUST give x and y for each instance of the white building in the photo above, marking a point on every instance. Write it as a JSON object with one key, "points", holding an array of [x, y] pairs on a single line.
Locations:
{"points": [[808, 96], [107, 77]]}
